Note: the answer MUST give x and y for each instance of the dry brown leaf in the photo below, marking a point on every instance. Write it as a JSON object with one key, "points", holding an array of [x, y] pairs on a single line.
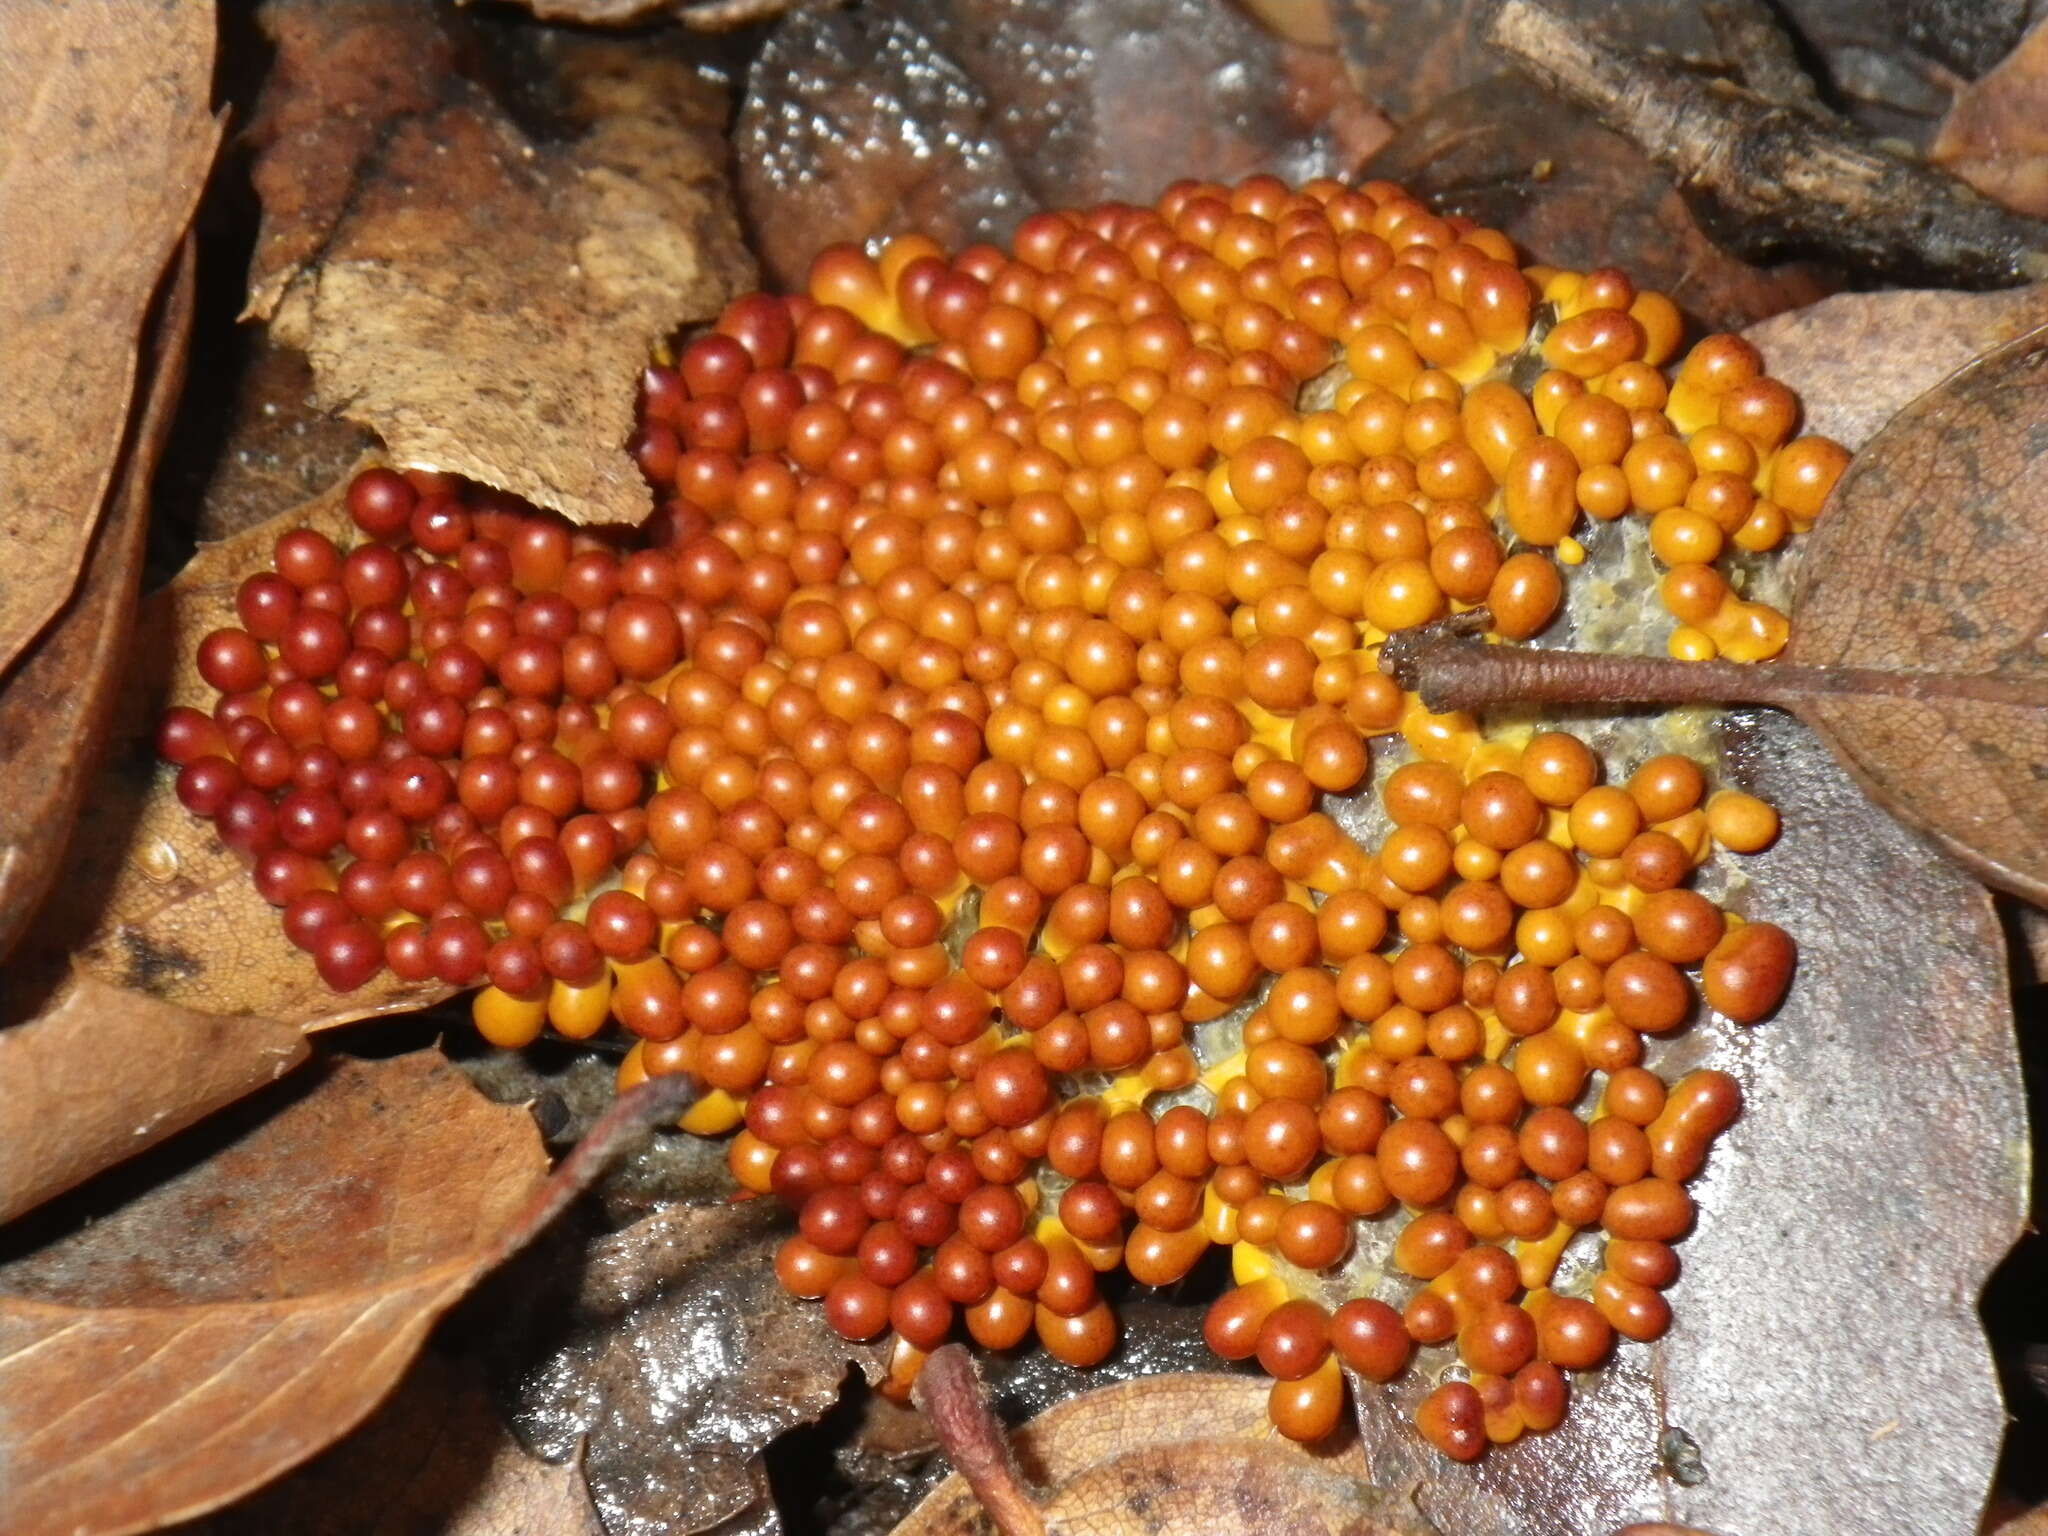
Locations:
{"points": [[436, 1457], [55, 709], [177, 1353], [152, 901], [1932, 560], [109, 136], [483, 300], [828, 141], [234, 1320], [1188, 1455], [1996, 134], [1858, 359], [104, 1074]]}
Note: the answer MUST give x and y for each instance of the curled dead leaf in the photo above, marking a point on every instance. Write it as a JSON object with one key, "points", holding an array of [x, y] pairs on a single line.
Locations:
{"points": [[682, 1359], [1996, 133], [227, 1324], [106, 106], [482, 298], [104, 1074], [56, 707], [1184, 1455], [152, 901]]}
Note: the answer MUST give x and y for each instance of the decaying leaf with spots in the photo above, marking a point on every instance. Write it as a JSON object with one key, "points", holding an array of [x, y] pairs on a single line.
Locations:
{"points": [[56, 706], [683, 1358], [223, 1326], [481, 297], [109, 136], [153, 901], [1933, 559], [1183, 1455]]}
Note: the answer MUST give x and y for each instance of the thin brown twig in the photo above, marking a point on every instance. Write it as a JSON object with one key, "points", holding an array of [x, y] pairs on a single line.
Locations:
{"points": [[1451, 673]]}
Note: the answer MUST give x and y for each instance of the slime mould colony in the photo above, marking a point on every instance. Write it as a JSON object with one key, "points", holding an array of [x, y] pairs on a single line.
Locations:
{"points": [[936, 779]]}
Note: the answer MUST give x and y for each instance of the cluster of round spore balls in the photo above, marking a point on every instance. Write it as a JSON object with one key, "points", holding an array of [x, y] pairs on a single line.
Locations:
{"points": [[948, 750]]}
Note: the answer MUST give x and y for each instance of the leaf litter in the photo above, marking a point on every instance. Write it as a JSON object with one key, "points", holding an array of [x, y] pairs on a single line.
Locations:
{"points": [[481, 295], [1971, 954], [1995, 135], [108, 115], [958, 120], [169, 1355], [56, 706], [435, 1457], [105, 1074]]}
